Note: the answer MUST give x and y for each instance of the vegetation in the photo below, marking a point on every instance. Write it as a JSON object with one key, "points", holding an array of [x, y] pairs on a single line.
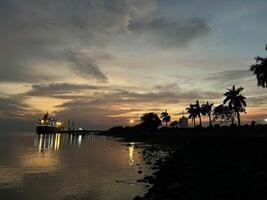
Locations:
{"points": [[233, 104], [223, 113], [165, 117], [206, 109], [236, 104], [198, 111], [236, 101], [260, 70], [174, 124], [192, 113], [150, 121]]}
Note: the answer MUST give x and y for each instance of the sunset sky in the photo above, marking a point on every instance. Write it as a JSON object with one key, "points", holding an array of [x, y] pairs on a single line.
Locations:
{"points": [[103, 63]]}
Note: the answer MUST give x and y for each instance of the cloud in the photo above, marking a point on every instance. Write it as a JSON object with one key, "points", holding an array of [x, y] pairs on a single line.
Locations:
{"points": [[169, 32], [60, 88], [230, 77], [40, 38], [34, 35], [83, 65], [64, 90], [257, 100], [13, 106]]}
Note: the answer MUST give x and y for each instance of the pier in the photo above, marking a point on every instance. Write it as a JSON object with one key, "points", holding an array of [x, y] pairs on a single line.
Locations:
{"points": [[81, 132], [70, 132]]}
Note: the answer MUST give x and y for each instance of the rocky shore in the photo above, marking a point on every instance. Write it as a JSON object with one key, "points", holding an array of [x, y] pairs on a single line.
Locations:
{"points": [[207, 167]]}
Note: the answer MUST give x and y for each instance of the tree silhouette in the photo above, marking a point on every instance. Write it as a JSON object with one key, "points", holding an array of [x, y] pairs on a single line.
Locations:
{"points": [[165, 117], [206, 109], [224, 113], [191, 110], [235, 101], [150, 121], [260, 70], [174, 124], [198, 111], [45, 117]]}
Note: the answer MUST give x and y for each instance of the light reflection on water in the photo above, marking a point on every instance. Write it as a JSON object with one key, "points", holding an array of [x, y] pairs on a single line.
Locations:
{"points": [[131, 154], [60, 166]]}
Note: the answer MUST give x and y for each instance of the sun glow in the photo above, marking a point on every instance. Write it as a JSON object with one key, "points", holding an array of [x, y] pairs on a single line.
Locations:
{"points": [[49, 103]]}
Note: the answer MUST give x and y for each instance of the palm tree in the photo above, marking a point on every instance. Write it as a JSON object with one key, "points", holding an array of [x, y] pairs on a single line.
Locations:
{"points": [[192, 113], [207, 110], [165, 117], [235, 101], [198, 112], [260, 70]]}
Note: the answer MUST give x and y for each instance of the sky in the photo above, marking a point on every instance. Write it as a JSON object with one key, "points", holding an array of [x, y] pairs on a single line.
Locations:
{"points": [[103, 63]]}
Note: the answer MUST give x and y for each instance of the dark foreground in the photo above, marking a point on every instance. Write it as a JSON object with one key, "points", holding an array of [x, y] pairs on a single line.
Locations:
{"points": [[219, 163]]}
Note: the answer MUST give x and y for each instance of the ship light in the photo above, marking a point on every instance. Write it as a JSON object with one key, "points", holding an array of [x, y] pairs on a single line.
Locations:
{"points": [[42, 121], [58, 124]]}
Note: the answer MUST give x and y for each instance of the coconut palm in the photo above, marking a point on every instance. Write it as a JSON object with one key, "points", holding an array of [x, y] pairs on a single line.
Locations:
{"points": [[235, 101], [192, 113], [165, 117], [260, 70], [198, 111], [207, 110]]}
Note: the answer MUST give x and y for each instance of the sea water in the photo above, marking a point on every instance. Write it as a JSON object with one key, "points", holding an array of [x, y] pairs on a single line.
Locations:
{"points": [[61, 166]]}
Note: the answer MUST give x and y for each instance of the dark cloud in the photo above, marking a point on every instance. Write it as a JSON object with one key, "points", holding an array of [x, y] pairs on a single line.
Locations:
{"points": [[11, 107], [34, 34], [14, 108], [169, 32], [257, 100], [60, 88], [230, 77], [37, 35], [102, 94], [129, 98], [83, 65], [64, 90], [168, 86]]}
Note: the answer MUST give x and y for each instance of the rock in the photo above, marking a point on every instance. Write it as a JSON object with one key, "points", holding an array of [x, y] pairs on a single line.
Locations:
{"points": [[137, 198], [139, 172]]}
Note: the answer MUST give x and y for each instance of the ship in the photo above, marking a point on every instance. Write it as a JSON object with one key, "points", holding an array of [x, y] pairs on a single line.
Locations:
{"points": [[48, 124]]}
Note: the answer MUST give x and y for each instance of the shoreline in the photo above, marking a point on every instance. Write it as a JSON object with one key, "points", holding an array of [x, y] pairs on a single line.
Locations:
{"points": [[205, 163]]}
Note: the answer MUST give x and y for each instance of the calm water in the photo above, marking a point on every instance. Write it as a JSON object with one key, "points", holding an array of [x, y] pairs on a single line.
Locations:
{"points": [[67, 167]]}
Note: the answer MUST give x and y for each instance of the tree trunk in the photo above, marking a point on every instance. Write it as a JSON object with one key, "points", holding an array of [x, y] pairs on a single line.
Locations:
{"points": [[210, 120], [194, 120], [232, 120], [238, 118], [200, 122], [166, 124]]}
